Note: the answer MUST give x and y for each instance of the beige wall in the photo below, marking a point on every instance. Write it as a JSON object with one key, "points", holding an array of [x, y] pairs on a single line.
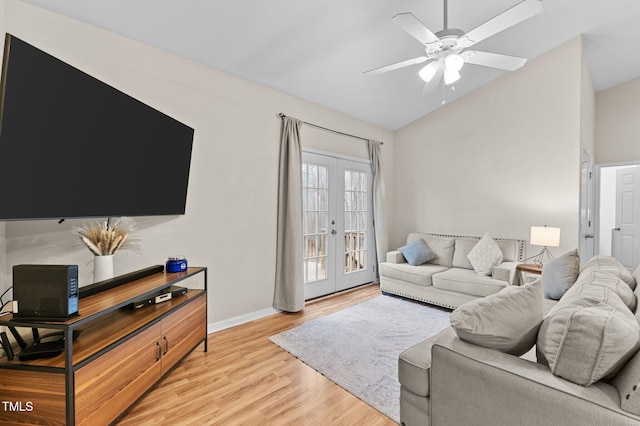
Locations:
{"points": [[587, 108], [617, 124], [498, 160], [230, 219]]}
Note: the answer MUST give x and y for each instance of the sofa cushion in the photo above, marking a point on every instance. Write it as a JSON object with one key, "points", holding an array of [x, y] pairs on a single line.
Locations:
{"points": [[507, 321], [559, 274], [510, 250], [420, 275], [485, 255], [611, 265], [636, 291], [417, 252], [636, 275], [588, 335], [462, 247], [468, 282], [441, 246], [600, 286]]}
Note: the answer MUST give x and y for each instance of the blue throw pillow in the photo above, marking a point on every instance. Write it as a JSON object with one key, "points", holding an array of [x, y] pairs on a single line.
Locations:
{"points": [[417, 252]]}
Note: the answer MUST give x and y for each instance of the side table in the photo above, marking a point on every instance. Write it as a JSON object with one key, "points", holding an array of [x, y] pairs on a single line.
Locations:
{"points": [[527, 268]]}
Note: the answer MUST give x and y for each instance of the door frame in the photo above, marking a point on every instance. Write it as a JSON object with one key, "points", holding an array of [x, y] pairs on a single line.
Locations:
{"points": [[371, 243], [598, 191], [587, 225]]}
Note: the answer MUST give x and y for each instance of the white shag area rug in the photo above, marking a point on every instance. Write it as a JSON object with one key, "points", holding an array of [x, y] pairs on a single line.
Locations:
{"points": [[358, 348]]}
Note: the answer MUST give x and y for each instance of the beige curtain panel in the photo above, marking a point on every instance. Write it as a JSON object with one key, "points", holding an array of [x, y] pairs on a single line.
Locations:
{"points": [[289, 285], [379, 219]]}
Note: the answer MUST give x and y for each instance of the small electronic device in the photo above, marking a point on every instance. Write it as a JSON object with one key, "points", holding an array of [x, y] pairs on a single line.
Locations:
{"points": [[163, 296], [47, 346], [8, 350], [45, 292]]}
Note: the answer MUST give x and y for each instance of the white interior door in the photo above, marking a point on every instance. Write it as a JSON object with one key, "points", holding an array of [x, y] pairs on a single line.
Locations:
{"points": [[338, 240], [625, 237]]}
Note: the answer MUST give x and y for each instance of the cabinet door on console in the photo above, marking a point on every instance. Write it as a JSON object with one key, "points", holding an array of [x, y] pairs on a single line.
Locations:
{"points": [[182, 331], [31, 397], [108, 385]]}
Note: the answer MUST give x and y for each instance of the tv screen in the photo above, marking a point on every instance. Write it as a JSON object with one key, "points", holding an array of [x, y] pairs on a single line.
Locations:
{"points": [[72, 146]]}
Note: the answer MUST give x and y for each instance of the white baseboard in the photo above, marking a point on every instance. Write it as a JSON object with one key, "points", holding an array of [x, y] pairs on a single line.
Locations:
{"points": [[231, 322]]}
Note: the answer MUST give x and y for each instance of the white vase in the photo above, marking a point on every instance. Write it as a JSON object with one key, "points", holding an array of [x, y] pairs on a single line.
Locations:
{"points": [[102, 268]]}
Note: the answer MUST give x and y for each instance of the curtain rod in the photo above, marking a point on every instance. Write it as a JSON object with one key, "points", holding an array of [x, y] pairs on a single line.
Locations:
{"points": [[281, 115]]}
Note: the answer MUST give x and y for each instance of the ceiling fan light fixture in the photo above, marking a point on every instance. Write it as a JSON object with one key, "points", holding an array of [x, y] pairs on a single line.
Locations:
{"points": [[454, 62], [451, 76], [429, 71]]}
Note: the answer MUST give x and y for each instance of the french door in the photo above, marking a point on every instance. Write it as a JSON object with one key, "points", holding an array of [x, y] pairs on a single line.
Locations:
{"points": [[338, 240]]}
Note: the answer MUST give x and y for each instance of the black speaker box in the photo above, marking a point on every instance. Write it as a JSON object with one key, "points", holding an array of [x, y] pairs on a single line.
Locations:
{"points": [[45, 292]]}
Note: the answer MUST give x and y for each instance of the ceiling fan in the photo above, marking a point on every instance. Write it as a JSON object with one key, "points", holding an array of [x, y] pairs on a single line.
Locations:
{"points": [[445, 50]]}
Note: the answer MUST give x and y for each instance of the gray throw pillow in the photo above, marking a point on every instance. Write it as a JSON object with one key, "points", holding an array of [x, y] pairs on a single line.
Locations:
{"points": [[559, 274], [417, 252], [507, 321], [584, 339]]}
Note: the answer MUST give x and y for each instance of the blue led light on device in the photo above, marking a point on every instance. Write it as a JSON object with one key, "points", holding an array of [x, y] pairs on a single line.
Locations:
{"points": [[176, 264]]}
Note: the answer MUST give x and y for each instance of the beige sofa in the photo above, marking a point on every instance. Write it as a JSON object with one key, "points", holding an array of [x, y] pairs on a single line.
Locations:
{"points": [[448, 381], [449, 280]]}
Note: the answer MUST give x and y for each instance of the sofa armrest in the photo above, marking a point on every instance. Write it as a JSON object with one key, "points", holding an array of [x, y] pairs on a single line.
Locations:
{"points": [[506, 271], [475, 385], [414, 364], [395, 257]]}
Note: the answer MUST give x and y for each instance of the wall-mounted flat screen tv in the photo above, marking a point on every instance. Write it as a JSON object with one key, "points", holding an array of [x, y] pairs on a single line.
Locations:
{"points": [[72, 146]]}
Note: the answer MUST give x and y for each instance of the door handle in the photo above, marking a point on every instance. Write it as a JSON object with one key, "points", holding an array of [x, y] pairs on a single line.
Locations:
{"points": [[615, 229], [588, 235], [334, 232], [159, 354], [166, 345]]}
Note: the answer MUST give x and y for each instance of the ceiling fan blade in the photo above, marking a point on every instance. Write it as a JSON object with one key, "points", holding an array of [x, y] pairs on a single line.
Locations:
{"points": [[434, 83], [518, 13], [398, 65], [408, 22], [509, 63]]}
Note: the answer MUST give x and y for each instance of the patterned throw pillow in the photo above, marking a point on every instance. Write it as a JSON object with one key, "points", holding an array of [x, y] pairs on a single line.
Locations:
{"points": [[485, 255]]}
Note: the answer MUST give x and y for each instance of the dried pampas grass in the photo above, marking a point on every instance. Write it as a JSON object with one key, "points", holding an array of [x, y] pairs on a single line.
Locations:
{"points": [[104, 238]]}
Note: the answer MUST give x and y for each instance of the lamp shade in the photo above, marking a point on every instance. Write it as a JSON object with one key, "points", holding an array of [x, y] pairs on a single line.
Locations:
{"points": [[454, 62], [429, 71], [547, 236], [451, 76]]}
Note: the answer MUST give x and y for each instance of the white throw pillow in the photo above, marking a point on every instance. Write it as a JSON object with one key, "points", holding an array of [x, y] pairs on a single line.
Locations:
{"points": [[507, 321], [485, 255]]}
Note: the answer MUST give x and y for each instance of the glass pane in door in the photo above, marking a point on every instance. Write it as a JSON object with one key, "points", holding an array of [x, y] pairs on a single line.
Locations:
{"points": [[355, 221], [315, 195]]}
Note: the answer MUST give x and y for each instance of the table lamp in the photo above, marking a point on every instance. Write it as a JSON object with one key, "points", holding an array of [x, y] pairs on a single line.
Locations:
{"points": [[546, 236]]}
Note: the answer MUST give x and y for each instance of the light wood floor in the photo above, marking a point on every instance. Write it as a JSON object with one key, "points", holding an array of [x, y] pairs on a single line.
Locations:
{"points": [[244, 379]]}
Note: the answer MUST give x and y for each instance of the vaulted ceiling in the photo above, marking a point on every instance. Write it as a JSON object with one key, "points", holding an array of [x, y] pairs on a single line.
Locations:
{"points": [[318, 50]]}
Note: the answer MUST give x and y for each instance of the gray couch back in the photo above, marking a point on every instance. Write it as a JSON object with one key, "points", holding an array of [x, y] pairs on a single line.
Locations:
{"points": [[452, 250]]}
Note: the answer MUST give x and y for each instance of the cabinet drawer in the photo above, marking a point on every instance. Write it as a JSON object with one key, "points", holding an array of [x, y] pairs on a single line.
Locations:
{"points": [[105, 387], [182, 330]]}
